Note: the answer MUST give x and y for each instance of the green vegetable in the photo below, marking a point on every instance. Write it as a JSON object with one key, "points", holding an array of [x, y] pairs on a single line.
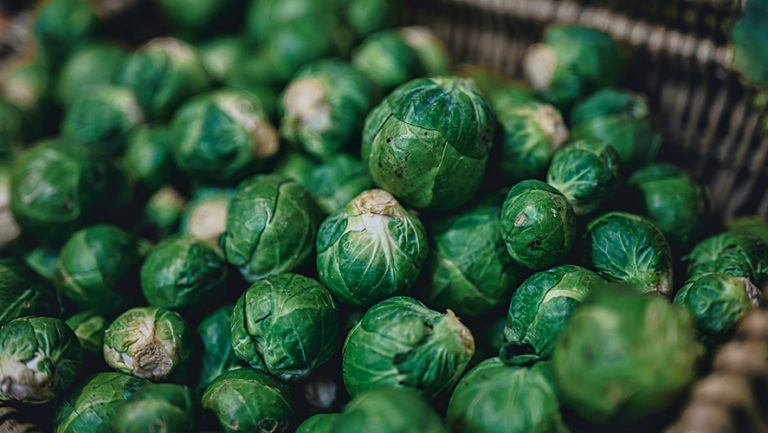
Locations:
{"points": [[148, 158], [430, 50], [537, 224], [401, 343], [26, 84], [319, 423], [63, 25], [389, 410], [736, 254], [337, 181], [89, 329], [749, 38], [754, 225], [265, 17], [217, 354], [369, 16], [163, 210], [500, 91], [370, 250], [206, 215], [194, 16], [91, 66], [24, 293], [297, 166], [221, 54], [44, 260], [161, 407], [387, 59], [428, 142]]}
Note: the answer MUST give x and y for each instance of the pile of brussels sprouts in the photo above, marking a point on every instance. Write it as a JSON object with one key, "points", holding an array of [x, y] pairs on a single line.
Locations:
{"points": [[317, 223]]}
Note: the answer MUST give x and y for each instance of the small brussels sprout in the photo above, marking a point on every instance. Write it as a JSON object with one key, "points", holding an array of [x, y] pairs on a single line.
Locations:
{"points": [[26, 84], [624, 356], [149, 342], [99, 266], [468, 269], [93, 65], [430, 50], [63, 25], [403, 344], [285, 325], [754, 225], [586, 172], [183, 273], [428, 142], [13, 127], [217, 354], [500, 91], [164, 72], [324, 107], [271, 226], [221, 54], [148, 158], [319, 423], [164, 210], [622, 119], [39, 358], [370, 250], [495, 398], [89, 329], [162, 407], [299, 167], [24, 293], [736, 254], [247, 400], [572, 62], [537, 224], [194, 16], [389, 410], [748, 38], [337, 181], [387, 59], [206, 214], [90, 408], [369, 16], [531, 133]]}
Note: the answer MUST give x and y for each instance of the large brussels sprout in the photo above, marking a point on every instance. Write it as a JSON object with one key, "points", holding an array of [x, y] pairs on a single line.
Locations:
{"points": [[90, 408], [586, 172], [93, 65], [537, 224], [285, 325], [271, 226], [622, 119], [625, 247], [217, 354], [324, 107], [99, 266], [319, 423], [736, 254], [63, 25], [387, 59], [26, 84], [623, 356], [163, 211], [222, 136], [754, 225], [163, 407], [389, 410], [149, 342], [89, 329], [24, 293], [572, 62], [148, 158], [495, 398], [206, 214], [337, 181], [369, 16], [370, 250], [432, 54], [403, 344], [220, 54], [183, 273], [428, 142], [247, 400], [164, 72]]}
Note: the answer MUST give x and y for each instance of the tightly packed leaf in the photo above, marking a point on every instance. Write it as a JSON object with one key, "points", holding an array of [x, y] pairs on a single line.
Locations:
{"points": [[736, 254]]}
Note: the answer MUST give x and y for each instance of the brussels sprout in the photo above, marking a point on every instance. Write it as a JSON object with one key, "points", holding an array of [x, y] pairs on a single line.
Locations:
{"points": [[265, 17], [93, 65], [369, 16], [90, 408], [531, 133], [246, 400], [468, 269], [500, 92], [736, 254], [39, 358], [389, 410], [89, 329], [163, 407], [183, 273], [98, 266], [297, 166], [194, 16], [102, 117], [387, 59], [370, 250], [26, 84], [430, 50], [324, 107], [572, 62], [222, 136], [13, 126], [221, 54], [164, 72], [63, 25], [217, 354], [623, 356], [24, 293], [163, 210], [586, 172], [320, 423], [285, 325], [401, 343], [149, 342], [271, 226], [148, 158], [337, 181], [754, 225], [44, 260], [672, 199], [749, 38], [494, 398], [206, 214], [428, 142], [9, 228], [537, 224]]}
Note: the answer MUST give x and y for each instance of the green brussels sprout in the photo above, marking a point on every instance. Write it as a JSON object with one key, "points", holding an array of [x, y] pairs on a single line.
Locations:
{"points": [[246, 400], [183, 273], [44, 260], [754, 225], [222, 136], [736, 254], [572, 62], [622, 119], [90, 408], [337, 181], [103, 118], [99, 266], [495, 398], [206, 214], [265, 17], [285, 325], [221, 54], [624, 356], [530, 134], [89, 329], [194, 16], [162, 407], [387, 59], [370, 250], [13, 127], [324, 107], [537, 224], [93, 65], [271, 226], [403, 344], [672, 199], [149, 342], [163, 210], [297, 166], [217, 354], [500, 91], [26, 84], [57, 188], [468, 269], [389, 410], [369, 16], [319, 423], [430, 50], [63, 25], [625, 247], [586, 172], [39, 358], [148, 158], [24, 293], [164, 72], [428, 142], [749, 39]]}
